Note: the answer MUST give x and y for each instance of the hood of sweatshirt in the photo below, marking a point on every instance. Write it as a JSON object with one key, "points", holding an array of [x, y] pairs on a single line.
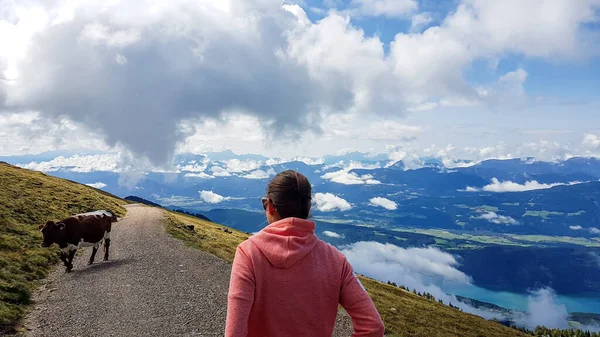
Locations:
{"points": [[286, 241]]}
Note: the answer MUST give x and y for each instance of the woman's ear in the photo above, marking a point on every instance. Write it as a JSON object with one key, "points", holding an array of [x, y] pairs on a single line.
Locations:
{"points": [[271, 208]]}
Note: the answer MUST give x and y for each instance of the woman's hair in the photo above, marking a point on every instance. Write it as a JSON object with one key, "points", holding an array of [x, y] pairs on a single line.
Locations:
{"points": [[290, 192]]}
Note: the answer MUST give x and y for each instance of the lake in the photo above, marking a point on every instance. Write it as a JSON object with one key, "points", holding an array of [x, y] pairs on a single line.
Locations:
{"points": [[520, 301]]}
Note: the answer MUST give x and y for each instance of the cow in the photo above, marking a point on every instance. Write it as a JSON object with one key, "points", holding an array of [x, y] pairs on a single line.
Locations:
{"points": [[76, 231]]}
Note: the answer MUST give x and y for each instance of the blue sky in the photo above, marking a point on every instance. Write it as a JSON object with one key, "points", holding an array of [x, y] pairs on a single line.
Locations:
{"points": [[471, 79]]}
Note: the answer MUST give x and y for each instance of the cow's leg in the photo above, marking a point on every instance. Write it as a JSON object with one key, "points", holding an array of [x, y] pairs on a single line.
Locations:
{"points": [[63, 258], [94, 250], [71, 256], [106, 245]]}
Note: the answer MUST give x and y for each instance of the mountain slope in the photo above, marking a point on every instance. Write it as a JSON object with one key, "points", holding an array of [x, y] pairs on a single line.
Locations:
{"points": [[403, 313], [29, 198]]}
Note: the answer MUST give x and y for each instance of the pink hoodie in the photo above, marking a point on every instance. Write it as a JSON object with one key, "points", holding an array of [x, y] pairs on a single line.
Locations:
{"points": [[287, 282]]}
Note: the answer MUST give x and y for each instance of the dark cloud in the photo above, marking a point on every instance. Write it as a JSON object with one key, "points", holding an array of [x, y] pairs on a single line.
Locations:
{"points": [[173, 72]]}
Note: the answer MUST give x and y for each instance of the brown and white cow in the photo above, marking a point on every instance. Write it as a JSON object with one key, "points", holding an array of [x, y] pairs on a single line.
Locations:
{"points": [[81, 230]]}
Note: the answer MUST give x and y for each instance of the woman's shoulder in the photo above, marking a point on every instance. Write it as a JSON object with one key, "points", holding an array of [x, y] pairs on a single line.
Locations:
{"points": [[326, 248]]}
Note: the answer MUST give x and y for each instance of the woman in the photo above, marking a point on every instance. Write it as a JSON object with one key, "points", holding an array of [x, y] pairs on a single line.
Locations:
{"points": [[287, 282]]}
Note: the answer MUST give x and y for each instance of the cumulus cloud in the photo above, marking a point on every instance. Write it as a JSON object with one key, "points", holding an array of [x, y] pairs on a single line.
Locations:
{"points": [[493, 217], [286, 71], [575, 228], [591, 141], [383, 202], [350, 178], [212, 197], [98, 185], [327, 202], [594, 230], [509, 186], [543, 310], [332, 234]]}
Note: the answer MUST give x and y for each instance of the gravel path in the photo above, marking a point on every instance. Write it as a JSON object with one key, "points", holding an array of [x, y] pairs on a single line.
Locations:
{"points": [[152, 286]]}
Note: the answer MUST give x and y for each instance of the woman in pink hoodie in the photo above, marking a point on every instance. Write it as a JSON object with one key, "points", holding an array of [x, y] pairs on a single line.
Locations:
{"points": [[287, 282]]}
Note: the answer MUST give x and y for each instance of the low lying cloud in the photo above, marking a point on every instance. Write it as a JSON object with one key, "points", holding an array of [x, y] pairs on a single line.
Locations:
{"points": [[594, 230], [77, 163], [493, 217], [201, 175], [259, 174], [509, 186], [328, 202], [416, 268], [543, 309], [332, 234], [350, 178], [406, 265], [97, 185], [211, 197], [575, 228], [384, 202], [218, 171], [238, 165]]}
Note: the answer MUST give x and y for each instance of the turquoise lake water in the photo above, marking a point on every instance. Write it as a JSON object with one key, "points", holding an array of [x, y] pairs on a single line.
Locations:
{"points": [[520, 301]]}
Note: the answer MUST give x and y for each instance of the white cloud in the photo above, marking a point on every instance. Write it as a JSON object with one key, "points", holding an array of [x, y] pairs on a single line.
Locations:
{"points": [[383, 202], [259, 174], [238, 165], [591, 141], [575, 228], [509, 186], [387, 8], [594, 230], [31, 132], [383, 260], [201, 175], [327, 202], [98, 185], [211, 197], [420, 20], [120, 59], [332, 234], [493, 217], [77, 163], [219, 172], [318, 70], [543, 310], [350, 178]]}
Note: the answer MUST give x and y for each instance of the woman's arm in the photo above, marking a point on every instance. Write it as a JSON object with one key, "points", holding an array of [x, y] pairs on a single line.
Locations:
{"points": [[355, 300], [240, 297]]}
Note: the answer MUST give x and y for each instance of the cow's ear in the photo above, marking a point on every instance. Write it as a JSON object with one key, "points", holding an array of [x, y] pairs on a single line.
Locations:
{"points": [[61, 225], [41, 226]]}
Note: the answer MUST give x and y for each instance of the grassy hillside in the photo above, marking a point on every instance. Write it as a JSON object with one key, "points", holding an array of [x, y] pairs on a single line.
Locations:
{"points": [[414, 316], [27, 199]]}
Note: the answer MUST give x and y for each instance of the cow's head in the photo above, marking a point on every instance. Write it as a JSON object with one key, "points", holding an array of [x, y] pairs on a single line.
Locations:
{"points": [[52, 232], [113, 216]]}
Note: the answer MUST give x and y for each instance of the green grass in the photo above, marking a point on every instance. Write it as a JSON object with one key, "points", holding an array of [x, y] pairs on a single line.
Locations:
{"points": [[542, 214], [556, 239], [29, 198], [415, 316], [488, 208], [444, 234]]}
